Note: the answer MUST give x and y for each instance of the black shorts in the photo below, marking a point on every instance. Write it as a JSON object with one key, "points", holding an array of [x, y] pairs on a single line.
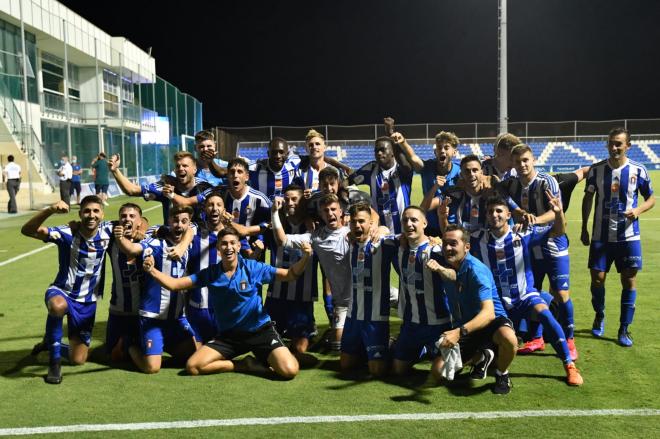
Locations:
{"points": [[75, 187], [262, 342], [483, 338], [101, 188]]}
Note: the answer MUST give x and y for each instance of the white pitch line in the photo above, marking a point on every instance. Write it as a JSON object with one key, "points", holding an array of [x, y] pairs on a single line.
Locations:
{"points": [[326, 419], [47, 246]]}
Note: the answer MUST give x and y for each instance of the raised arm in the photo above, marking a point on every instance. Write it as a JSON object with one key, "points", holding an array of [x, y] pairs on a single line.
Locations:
{"points": [[292, 273], [126, 246], [34, 228], [559, 226], [411, 157], [126, 186], [447, 274], [278, 228], [179, 284]]}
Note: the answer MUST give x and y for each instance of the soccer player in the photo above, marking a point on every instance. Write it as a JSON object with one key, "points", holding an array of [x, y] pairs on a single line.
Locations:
{"points": [[366, 332], [272, 175], [316, 161], [528, 190], [617, 183], [501, 164], [291, 304], [184, 184], [243, 326], [390, 181], [507, 254], [163, 327], [79, 280], [209, 168], [422, 300], [478, 316]]}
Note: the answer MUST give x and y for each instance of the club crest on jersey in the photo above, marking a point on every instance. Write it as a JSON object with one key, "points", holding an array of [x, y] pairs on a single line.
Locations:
{"points": [[360, 256], [633, 180], [243, 285], [248, 211], [615, 184], [150, 343], [411, 258], [500, 254], [474, 212], [517, 242], [385, 187], [236, 214]]}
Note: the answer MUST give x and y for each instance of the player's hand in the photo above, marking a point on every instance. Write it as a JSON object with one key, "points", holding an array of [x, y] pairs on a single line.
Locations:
{"points": [[257, 246], [451, 338], [631, 214], [59, 207], [307, 193], [443, 208], [278, 202], [433, 265], [440, 180], [113, 163], [517, 228], [148, 264], [487, 182], [175, 253], [306, 248], [528, 220], [118, 231], [435, 240], [226, 218], [398, 138], [207, 155], [584, 237], [555, 202], [168, 191]]}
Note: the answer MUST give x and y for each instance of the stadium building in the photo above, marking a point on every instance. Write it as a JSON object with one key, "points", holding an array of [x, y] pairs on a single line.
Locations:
{"points": [[69, 88]]}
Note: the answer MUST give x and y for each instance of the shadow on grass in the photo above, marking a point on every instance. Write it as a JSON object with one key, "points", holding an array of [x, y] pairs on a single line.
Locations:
{"points": [[586, 333]]}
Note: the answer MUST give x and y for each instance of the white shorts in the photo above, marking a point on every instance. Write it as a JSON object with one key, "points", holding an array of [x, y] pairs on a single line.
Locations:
{"points": [[339, 317]]}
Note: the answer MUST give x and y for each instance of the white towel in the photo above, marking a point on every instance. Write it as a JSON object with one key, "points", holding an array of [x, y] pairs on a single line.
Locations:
{"points": [[452, 360]]}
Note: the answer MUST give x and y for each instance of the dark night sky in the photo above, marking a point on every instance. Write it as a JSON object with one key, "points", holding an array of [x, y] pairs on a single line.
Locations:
{"points": [[349, 62]]}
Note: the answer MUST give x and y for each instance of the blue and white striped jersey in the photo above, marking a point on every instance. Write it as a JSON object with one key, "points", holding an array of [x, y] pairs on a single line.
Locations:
{"points": [[617, 190], [81, 271], [422, 297], [272, 183], [370, 266], [308, 177], [390, 191], [531, 197], [203, 253], [303, 289], [508, 257], [127, 279], [467, 210], [154, 191], [488, 168], [157, 302], [251, 209]]}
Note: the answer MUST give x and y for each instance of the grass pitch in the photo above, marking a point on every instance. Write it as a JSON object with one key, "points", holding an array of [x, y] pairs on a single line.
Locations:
{"points": [[615, 377]]}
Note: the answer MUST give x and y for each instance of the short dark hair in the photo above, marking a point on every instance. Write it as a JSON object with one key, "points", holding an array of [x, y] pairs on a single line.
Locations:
{"points": [[102, 154], [496, 201], [181, 209], [359, 207], [238, 161], [294, 187], [465, 236], [619, 130], [521, 149], [275, 140], [131, 206], [215, 193], [10, 158], [229, 230], [470, 158], [384, 139], [328, 199], [328, 172], [91, 199], [203, 135]]}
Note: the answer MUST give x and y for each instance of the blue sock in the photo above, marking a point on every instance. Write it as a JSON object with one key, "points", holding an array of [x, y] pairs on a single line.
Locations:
{"points": [[522, 326], [64, 351], [54, 336], [598, 300], [555, 335], [566, 317], [535, 329], [627, 306]]}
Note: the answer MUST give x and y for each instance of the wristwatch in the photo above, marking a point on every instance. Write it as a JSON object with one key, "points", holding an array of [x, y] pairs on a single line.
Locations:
{"points": [[464, 331]]}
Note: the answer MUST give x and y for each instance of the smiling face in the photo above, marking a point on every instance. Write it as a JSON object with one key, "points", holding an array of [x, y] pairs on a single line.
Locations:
{"points": [[618, 146], [360, 225], [130, 219], [413, 222], [238, 177], [179, 224], [278, 151], [91, 215], [329, 185], [292, 201], [315, 147], [384, 154], [185, 170], [229, 247], [214, 208], [472, 173], [497, 216], [331, 214], [454, 248], [524, 164]]}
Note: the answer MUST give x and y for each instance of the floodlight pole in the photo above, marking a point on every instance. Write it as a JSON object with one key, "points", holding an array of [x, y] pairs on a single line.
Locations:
{"points": [[502, 67]]}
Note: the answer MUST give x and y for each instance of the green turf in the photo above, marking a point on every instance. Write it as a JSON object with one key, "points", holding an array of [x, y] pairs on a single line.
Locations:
{"points": [[95, 393]]}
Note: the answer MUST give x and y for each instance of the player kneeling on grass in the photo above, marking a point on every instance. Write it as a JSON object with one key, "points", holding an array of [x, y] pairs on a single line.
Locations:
{"points": [[79, 280], [243, 325], [477, 312], [163, 327]]}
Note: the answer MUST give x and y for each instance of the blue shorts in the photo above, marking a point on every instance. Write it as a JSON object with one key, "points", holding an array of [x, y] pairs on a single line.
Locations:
{"points": [[292, 319], [121, 326], [625, 254], [79, 316], [203, 323], [101, 188], [360, 336], [413, 337], [524, 309], [557, 268], [161, 335]]}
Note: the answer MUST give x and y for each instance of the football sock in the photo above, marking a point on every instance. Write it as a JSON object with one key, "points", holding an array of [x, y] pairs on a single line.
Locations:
{"points": [[555, 335], [627, 306], [598, 300], [566, 317], [64, 351], [54, 336]]}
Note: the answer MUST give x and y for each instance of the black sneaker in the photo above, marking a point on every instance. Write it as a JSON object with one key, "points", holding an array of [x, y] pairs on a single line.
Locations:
{"points": [[480, 370], [54, 372], [502, 384], [39, 347]]}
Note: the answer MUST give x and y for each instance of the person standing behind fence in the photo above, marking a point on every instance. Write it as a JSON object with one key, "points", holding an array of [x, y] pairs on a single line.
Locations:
{"points": [[101, 177], [65, 173], [75, 179], [12, 176]]}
